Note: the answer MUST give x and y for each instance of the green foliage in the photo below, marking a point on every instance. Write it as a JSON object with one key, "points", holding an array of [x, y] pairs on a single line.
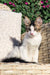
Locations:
{"points": [[32, 9]]}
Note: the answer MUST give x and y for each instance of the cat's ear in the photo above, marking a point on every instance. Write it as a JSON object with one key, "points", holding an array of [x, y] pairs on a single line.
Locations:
{"points": [[27, 21], [38, 21]]}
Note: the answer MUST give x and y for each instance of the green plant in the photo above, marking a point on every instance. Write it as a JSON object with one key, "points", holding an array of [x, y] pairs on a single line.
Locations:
{"points": [[30, 8]]}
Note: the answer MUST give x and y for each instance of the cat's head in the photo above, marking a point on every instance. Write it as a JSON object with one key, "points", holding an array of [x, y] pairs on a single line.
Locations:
{"points": [[34, 28]]}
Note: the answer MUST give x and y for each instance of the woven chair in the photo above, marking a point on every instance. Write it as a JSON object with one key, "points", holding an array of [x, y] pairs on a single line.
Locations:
{"points": [[44, 52]]}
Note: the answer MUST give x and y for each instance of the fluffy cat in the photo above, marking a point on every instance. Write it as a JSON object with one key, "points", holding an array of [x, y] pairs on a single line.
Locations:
{"points": [[29, 50]]}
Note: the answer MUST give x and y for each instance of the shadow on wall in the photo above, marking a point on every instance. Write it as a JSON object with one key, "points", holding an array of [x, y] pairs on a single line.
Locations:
{"points": [[15, 42]]}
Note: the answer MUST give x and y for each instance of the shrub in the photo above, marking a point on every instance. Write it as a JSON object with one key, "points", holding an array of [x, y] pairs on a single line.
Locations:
{"points": [[30, 8]]}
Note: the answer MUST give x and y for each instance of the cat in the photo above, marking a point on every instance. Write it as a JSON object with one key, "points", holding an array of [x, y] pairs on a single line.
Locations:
{"points": [[29, 49]]}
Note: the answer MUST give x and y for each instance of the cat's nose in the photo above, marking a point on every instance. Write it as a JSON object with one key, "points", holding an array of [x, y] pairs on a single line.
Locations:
{"points": [[31, 33]]}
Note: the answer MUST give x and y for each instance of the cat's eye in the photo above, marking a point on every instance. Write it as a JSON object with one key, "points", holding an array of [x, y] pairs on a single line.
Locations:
{"points": [[35, 28], [29, 29]]}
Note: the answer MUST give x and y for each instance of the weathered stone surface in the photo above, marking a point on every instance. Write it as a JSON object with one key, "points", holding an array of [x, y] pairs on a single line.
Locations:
{"points": [[10, 29]]}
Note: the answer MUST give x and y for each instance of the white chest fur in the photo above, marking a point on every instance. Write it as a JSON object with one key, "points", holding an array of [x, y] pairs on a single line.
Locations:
{"points": [[34, 41], [32, 47]]}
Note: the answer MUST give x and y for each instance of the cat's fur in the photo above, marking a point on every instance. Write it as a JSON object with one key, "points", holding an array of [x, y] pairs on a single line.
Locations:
{"points": [[29, 50]]}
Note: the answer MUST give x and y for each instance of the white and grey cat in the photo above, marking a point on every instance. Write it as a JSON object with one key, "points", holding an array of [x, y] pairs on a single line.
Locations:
{"points": [[29, 50]]}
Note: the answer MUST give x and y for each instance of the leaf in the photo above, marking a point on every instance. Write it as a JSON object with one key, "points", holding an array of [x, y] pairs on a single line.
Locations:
{"points": [[32, 10], [31, 0], [5, 1], [45, 17], [32, 5], [36, 3], [19, 1], [44, 12]]}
